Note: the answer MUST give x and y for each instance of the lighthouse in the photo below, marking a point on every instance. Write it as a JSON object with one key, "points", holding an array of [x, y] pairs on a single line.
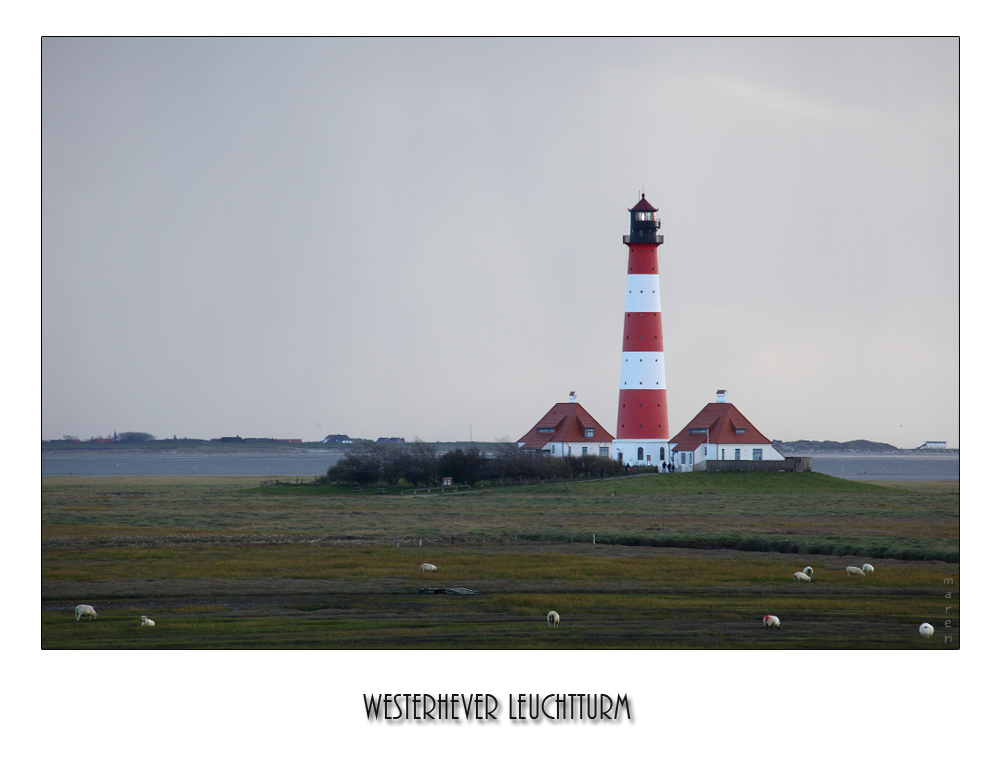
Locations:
{"points": [[641, 436]]}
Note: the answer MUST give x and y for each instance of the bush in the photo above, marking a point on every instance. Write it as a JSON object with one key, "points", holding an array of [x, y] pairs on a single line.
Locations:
{"points": [[418, 464], [135, 437], [462, 466], [359, 465]]}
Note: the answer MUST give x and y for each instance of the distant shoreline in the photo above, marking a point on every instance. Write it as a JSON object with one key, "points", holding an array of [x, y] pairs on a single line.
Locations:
{"points": [[788, 448], [215, 446]]}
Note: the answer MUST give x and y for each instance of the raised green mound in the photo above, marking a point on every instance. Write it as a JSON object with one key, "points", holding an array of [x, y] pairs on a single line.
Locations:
{"points": [[648, 484], [778, 483]]}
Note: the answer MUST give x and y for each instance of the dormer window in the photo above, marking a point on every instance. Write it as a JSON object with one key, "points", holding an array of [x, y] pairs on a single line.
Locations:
{"points": [[741, 430], [546, 429], [699, 431], [588, 432]]}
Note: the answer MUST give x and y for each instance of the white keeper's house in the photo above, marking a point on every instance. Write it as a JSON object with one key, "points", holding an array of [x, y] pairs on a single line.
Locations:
{"points": [[719, 432], [567, 430]]}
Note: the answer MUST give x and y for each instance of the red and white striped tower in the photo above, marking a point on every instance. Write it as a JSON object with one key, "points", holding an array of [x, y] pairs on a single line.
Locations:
{"points": [[642, 436]]}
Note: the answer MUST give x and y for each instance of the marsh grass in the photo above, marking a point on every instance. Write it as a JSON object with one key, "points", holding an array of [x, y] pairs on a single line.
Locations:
{"points": [[803, 513], [678, 563], [326, 562]]}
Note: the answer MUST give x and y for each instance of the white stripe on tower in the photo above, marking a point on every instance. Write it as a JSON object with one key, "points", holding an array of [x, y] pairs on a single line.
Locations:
{"points": [[642, 371], [642, 293]]}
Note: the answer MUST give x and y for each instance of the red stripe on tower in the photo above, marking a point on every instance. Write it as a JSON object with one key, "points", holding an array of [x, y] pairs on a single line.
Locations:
{"points": [[642, 435]]}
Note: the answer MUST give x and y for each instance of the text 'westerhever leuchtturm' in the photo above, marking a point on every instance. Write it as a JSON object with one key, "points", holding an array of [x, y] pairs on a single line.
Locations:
{"points": [[422, 706]]}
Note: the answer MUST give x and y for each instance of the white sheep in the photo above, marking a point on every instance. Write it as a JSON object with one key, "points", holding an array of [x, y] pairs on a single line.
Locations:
{"points": [[85, 610], [853, 571], [426, 566], [801, 577], [808, 570], [867, 568], [147, 622], [772, 622], [552, 618], [926, 630]]}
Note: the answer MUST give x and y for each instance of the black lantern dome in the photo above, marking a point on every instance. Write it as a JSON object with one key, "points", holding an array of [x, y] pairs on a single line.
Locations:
{"points": [[645, 224]]}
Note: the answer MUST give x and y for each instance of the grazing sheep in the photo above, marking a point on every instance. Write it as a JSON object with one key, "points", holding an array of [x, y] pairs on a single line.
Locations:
{"points": [[926, 630], [85, 610], [552, 618], [853, 571], [808, 570], [801, 577], [772, 622], [426, 566], [147, 622], [867, 568]]}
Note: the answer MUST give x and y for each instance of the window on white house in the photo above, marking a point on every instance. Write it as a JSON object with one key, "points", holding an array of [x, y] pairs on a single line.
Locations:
{"points": [[758, 454], [603, 451]]}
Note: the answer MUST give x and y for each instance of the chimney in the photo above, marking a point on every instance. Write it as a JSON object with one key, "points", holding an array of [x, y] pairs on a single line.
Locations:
{"points": [[720, 396]]}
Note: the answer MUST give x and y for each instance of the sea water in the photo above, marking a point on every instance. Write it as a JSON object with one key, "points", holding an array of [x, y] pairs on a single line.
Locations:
{"points": [[310, 463], [905, 466], [119, 463]]}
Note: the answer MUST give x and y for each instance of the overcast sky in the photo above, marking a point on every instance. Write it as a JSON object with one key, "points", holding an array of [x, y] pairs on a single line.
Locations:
{"points": [[422, 238]]}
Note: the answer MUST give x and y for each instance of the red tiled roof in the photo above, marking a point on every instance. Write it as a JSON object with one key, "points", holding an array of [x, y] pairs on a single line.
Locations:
{"points": [[643, 206], [567, 421], [722, 421]]}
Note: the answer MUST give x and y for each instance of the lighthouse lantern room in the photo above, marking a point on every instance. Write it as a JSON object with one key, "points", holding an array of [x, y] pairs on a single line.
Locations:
{"points": [[641, 436]]}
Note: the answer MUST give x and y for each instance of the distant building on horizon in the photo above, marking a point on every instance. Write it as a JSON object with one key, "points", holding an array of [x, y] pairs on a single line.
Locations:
{"points": [[337, 439], [934, 444], [394, 441]]}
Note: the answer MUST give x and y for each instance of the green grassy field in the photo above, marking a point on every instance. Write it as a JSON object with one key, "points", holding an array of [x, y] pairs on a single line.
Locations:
{"points": [[680, 561]]}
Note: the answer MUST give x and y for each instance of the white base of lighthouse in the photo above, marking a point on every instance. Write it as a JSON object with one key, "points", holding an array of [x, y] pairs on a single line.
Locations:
{"points": [[641, 452]]}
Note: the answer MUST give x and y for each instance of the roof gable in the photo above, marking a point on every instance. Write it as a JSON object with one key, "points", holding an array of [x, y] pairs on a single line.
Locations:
{"points": [[643, 206], [564, 423], [718, 423]]}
